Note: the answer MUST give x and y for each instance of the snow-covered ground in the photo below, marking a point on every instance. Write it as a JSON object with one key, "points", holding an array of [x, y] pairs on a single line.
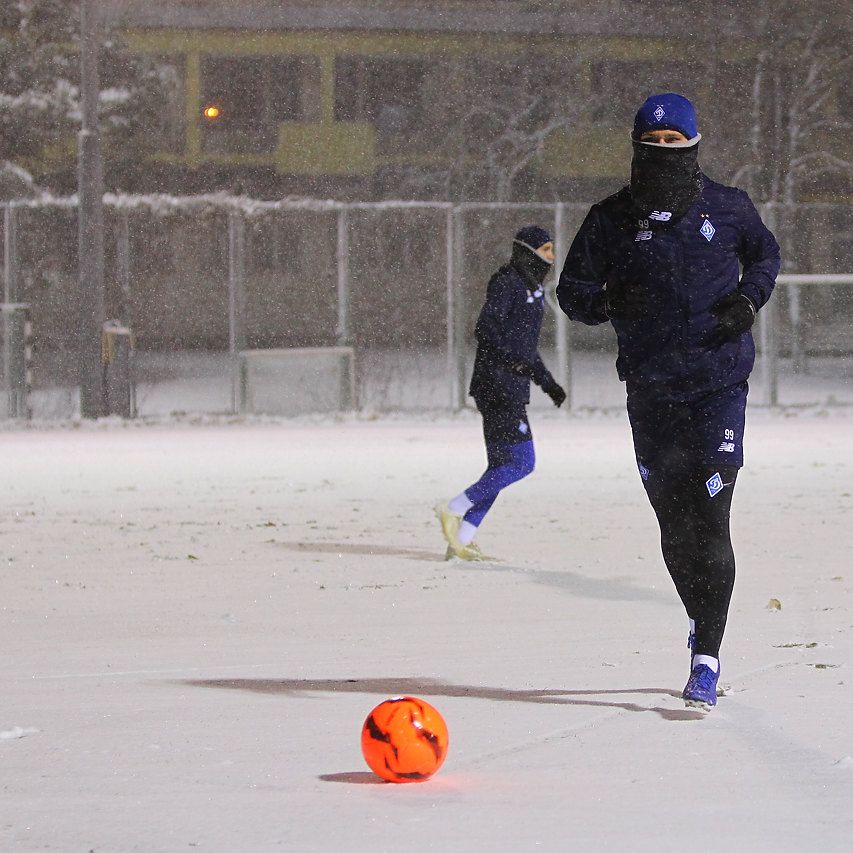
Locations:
{"points": [[196, 618]]}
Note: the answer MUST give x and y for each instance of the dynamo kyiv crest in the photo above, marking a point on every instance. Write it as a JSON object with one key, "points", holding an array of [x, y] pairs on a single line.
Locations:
{"points": [[714, 485]]}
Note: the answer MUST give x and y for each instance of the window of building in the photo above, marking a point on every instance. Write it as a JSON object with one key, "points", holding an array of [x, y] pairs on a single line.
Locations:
{"points": [[246, 98], [170, 121], [384, 92]]}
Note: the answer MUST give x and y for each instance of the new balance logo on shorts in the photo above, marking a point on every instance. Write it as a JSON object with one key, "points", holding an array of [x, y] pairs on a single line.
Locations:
{"points": [[727, 447]]}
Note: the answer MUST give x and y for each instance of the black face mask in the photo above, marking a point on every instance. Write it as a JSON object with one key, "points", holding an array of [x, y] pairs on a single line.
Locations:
{"points": [[529, 264], [664, 178]]}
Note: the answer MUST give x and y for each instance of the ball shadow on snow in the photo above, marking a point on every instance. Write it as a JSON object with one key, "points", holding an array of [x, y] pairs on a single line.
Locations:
{"points": [[356, 777]]}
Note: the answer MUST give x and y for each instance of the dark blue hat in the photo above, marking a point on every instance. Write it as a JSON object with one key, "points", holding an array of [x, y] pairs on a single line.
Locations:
{"points": [[666, 112], [532, 236]]}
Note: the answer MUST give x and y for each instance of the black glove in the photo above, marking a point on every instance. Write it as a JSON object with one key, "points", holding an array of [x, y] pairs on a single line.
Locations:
{"points": [[735, 314], [522, 368], [625, 301], [556, 393]]}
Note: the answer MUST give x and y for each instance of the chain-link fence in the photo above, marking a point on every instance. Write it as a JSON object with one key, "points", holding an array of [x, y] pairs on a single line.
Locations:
{"points": [[199, 280]]}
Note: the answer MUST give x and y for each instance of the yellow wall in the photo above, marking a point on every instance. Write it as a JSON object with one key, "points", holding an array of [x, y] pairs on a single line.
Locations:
{"points": [[327, 147]]}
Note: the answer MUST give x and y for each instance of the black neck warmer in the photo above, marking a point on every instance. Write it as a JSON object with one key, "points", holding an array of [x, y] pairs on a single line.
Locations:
{"points": [[665, 178], [530, 265]]}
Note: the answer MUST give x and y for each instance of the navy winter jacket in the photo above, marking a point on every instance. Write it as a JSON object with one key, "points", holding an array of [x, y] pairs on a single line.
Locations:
{"points": [[686, 267], [508, 333]]}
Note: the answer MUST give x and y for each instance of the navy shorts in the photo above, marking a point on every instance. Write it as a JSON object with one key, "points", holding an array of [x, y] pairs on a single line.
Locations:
{"points": [[504, 422], [708, 431]]}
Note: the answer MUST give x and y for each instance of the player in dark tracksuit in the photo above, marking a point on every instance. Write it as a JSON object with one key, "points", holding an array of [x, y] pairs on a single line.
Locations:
{"points": [[507, 360], [660, 261]]}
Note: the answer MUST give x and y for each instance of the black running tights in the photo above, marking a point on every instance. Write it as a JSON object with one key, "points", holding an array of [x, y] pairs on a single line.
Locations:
{"points": [[697, 545]]}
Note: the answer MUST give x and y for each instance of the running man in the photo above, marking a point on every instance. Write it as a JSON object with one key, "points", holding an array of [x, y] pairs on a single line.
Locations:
{"points": [[660, 261], [507, 361]]}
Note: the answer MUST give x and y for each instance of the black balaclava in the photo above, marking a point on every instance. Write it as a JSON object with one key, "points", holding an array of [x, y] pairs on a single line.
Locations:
{"points": [[524, 258], [664, 178]]}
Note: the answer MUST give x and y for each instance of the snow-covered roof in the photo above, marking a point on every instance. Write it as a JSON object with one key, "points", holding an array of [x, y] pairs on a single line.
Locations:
{"points": [[510, 17]]}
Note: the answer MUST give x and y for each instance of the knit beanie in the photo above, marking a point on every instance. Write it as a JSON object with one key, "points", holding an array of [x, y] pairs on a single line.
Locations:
{"points": [[667, 111], [532, 237]]}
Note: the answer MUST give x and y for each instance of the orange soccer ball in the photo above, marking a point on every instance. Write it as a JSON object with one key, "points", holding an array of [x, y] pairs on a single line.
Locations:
{"points": [[404, 739]]}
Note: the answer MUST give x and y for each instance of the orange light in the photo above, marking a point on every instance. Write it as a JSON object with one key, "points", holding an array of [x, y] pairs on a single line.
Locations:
{"points": [[212, 111]]}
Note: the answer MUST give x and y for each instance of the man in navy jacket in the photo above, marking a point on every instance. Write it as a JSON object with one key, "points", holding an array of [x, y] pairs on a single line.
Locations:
{"points": [[507, 360], [680, 265]]}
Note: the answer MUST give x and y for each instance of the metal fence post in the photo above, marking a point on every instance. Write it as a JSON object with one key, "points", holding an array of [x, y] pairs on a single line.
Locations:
{"points": [[769, 360], [456, 314], [450, 248], [122, 235], [236, 342], [564, 344], [767, 331], [798, 360], [10, 291], [342, 333], [17, 357], [10, 254], [448, 301], [17, 329]]}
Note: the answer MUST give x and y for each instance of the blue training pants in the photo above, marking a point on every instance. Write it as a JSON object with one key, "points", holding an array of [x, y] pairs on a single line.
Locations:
{"points": [[509, 451]]}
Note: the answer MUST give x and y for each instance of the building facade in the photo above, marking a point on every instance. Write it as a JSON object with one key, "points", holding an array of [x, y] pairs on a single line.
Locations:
{"points": [[375, 99]]}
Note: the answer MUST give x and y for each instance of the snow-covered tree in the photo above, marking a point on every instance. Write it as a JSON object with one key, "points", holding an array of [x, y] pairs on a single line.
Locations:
{"points": [[798, 146], [798, 134], [500, 111], [40, 100]]}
